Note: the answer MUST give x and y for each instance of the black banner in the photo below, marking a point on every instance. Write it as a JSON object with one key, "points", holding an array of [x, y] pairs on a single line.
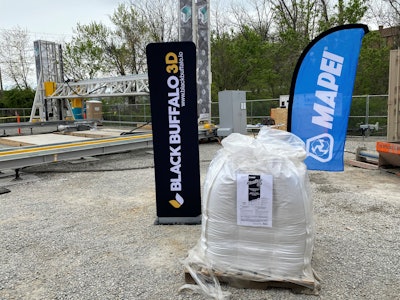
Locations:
{"points": [[173, 98]]}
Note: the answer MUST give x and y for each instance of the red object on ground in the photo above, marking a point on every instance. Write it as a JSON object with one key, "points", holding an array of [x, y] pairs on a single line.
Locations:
{"points": [[389, 153]]}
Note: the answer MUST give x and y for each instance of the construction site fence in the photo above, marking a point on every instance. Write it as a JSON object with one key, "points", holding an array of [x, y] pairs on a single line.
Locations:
{"points": [[14, 115], [365, 109]]}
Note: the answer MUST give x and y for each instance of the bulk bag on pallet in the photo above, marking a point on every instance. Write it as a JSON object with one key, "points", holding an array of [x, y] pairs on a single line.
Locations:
{"points": [[257, 218]]}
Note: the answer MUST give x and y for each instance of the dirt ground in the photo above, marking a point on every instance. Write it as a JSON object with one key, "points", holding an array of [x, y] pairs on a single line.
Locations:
{"points": [[86, 231]]}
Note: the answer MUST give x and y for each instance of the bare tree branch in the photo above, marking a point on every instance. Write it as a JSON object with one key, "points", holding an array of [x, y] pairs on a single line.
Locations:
{"points": [[16, 56], [160, 16]]}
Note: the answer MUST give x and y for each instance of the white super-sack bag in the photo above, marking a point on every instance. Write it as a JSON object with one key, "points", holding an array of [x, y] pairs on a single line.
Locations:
{"points": [[257, 218]]}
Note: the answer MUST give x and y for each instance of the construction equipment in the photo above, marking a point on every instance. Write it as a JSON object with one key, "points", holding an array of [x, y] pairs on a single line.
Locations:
{"points": [[49, 72], [366, 129], [53, 94]]}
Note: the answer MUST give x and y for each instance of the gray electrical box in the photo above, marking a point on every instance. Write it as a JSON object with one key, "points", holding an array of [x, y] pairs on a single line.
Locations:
{"points": [[232, 112]]}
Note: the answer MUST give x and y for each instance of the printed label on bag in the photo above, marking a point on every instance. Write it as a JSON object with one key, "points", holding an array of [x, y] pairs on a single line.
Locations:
{"points": [[254, 200]]}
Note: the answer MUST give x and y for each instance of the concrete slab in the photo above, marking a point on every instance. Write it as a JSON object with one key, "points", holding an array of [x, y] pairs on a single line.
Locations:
{"points": [[39, 139], [99, 133], [103, 132], [62, 137]]}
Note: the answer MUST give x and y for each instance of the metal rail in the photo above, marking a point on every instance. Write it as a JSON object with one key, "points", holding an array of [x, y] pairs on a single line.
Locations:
{"points": [[35, 155]]}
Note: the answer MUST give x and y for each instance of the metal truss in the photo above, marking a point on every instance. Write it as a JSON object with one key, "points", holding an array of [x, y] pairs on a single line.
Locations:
{"points": [[57, 107], [132, 85]]}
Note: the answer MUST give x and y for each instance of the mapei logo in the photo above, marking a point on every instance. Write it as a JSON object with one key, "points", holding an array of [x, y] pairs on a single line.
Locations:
{"points": [[177, 202], [320, 147]]}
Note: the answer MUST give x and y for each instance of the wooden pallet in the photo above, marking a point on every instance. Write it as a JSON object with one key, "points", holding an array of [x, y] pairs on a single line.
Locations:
{"points": [[363, 164], [242, 281]]}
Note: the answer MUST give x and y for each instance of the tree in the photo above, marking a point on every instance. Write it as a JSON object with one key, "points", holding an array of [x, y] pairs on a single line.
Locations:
{"points": [[16, 56], [296, 20], [385, 13], [233, 59], [133, 34], [219, 19], [395, 5], [373, 66], [97, 50], [17, 98], [160, 18], [303, 20], [342, 13], [243, 60], [84, 57], [254, 14]]}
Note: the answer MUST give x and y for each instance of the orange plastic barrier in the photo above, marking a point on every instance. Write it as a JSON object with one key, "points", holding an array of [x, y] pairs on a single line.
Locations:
{"points": [[388, 147]]}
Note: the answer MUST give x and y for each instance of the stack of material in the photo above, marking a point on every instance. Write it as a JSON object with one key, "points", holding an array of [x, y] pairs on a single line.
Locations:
{"points": [[280, 115], [257, 213]]}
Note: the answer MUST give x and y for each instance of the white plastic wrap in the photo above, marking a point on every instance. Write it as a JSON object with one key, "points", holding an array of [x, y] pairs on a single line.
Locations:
{"points": [[280, 251]]}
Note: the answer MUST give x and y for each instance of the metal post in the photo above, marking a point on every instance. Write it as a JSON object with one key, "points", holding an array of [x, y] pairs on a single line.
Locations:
{"points": [[1, 83], [17, 176], [367, 110], [251, 112], [144, 111], [119, 114]]}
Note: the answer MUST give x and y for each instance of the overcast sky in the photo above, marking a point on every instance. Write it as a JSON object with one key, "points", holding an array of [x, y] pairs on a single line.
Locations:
{"points": [[54, 19]]}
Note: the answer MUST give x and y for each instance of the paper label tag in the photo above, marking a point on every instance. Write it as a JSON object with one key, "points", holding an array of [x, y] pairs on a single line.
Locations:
{"points": [[254, 200]]}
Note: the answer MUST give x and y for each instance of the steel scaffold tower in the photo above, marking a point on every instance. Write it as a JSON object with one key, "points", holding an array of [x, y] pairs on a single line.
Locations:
{"points": [[52, 96]]}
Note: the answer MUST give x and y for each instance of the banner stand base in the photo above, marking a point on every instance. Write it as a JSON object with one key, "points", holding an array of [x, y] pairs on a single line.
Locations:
{"points": [[178, 220]]}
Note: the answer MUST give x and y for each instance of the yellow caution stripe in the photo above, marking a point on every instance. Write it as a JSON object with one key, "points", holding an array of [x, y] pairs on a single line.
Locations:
{"points": [[72, 145]]}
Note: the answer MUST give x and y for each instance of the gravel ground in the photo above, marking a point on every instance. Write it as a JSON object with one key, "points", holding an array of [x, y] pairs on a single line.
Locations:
{"points": [[85, 231]]}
